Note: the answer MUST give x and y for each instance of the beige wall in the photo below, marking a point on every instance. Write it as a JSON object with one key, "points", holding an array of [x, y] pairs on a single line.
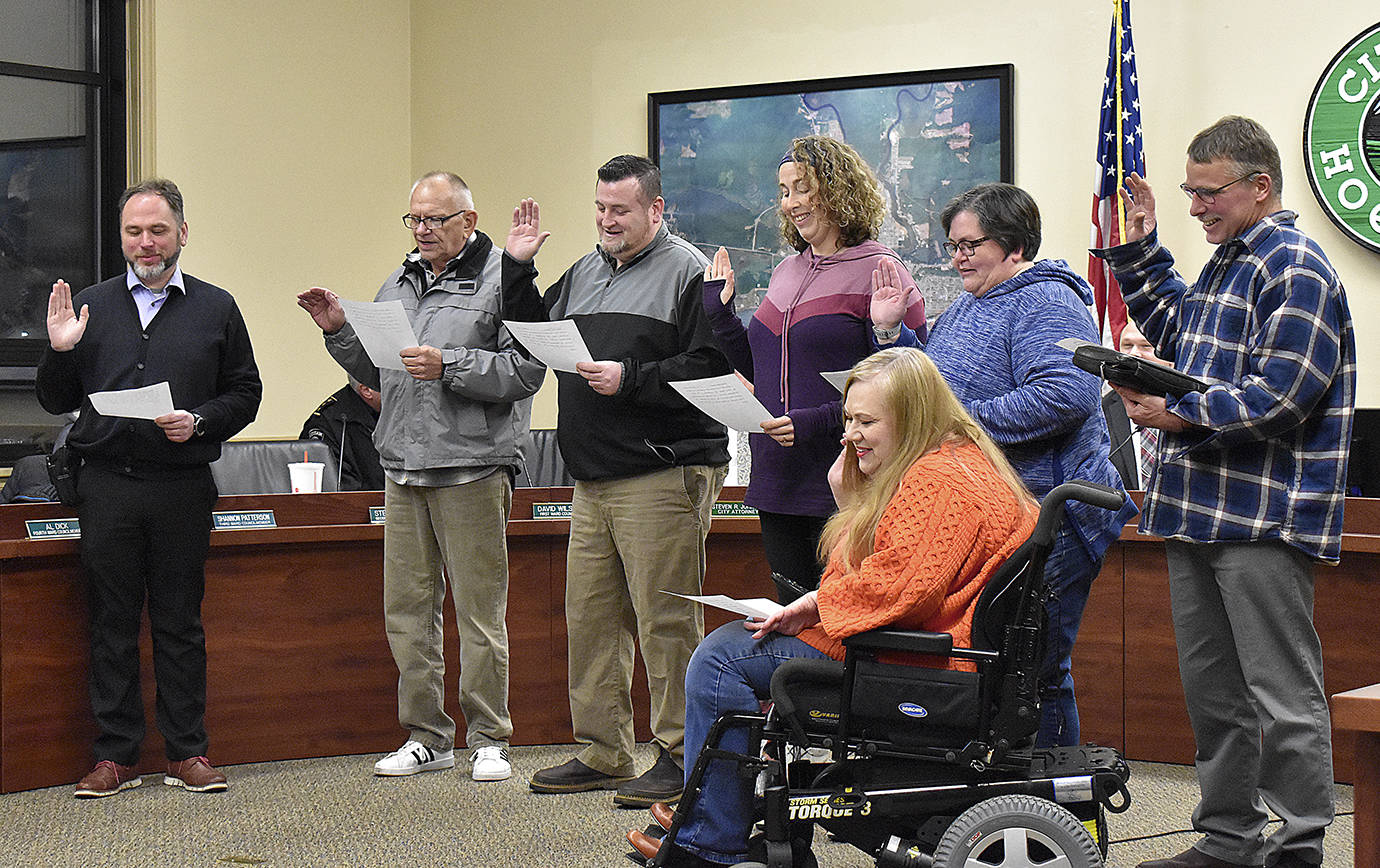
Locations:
{"points": [[563, 86], [288, 128], [295, 128]]}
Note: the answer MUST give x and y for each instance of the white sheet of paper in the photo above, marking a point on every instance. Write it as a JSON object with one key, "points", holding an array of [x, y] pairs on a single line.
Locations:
{"points": [[383, 328], [149, 402], [837, 379], [725, 399], [557, 344], [1072, 344], [757, 607]]}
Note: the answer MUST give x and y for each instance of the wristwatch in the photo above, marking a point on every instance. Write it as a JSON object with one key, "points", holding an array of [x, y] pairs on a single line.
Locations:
{"points": [[198, 425], [886, 336]]}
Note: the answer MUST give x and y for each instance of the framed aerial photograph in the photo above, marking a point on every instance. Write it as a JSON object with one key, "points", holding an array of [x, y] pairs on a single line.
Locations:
{"points": [[929, 135]]}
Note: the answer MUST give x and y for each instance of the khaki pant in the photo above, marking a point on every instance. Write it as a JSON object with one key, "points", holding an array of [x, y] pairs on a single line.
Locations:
{"points": [[461, 527], [629, 540]]}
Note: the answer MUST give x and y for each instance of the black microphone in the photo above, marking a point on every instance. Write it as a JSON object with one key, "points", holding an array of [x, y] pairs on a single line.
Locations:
{"points": [[340, 461]]}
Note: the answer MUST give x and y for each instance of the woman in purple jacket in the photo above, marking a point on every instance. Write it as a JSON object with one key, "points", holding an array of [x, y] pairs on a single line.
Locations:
{"points": [[814, 318]]}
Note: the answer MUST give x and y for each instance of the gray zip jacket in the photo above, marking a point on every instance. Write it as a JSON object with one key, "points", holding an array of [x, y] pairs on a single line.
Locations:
{"points": [[477, 413]]}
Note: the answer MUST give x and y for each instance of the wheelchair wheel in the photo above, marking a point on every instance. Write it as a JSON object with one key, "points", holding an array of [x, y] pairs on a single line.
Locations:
{"points": [[1016, 832]]}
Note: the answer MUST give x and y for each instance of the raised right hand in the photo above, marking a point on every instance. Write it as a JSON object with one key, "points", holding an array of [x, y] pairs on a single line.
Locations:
{"points": [[64, 327], [1139, 201], [324, 307], [720, 268], [526, 237], [888, 295]]}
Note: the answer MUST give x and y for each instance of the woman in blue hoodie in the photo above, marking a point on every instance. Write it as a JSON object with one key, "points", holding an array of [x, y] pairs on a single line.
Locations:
{"points": [[997, 346]]}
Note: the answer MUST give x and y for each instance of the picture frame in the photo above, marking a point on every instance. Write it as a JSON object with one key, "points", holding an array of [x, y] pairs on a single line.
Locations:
{"points": [[928, 134]]}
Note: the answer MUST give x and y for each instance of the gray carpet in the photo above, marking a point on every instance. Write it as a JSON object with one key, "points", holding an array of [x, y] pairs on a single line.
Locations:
{"points": [[334, 812]]}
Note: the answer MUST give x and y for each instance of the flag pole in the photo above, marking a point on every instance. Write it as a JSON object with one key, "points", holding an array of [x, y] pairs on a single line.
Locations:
{"points": [[1120, 152]]}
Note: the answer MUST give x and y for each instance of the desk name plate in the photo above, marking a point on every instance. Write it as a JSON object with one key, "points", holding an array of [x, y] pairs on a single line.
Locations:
{"points": [[722, 509], [377, 514], [243, 519], [53, 528]]}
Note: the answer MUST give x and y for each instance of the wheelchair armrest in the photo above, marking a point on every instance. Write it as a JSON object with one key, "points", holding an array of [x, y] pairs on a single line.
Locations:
{"points": [[915, 641]]}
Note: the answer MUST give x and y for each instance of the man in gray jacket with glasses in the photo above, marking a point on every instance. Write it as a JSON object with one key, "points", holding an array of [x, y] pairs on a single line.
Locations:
{"points": [[452, 415]]}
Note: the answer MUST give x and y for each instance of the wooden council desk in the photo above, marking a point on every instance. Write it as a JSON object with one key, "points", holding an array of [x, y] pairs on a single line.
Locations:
{"points": [[297, 661], [298, 665]]}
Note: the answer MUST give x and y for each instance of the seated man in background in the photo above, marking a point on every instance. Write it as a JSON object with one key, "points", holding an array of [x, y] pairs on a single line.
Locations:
{"points": [[28, 481], [1133, 450], [345, 422]]}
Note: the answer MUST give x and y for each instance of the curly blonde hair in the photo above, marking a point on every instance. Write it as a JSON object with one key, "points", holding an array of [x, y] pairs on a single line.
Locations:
{"points": [[847, 189]]}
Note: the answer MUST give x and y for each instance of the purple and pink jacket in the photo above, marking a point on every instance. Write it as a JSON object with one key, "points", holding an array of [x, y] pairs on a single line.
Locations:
{"points": [[813, 319]]}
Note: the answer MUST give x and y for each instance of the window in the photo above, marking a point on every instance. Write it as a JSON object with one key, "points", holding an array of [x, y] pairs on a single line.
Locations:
{"points": [[62, 160]]}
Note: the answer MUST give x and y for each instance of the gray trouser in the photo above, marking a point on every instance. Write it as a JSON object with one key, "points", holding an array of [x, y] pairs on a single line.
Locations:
{"points": [[1251, 665], [630, 539], [463, 528]]}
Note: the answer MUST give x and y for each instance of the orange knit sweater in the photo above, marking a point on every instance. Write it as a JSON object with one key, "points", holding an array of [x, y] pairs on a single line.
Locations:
{"points": [[949, 526]]}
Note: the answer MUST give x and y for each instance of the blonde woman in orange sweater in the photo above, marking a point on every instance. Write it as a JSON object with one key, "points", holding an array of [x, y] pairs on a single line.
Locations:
{"points": [[928, 509]]}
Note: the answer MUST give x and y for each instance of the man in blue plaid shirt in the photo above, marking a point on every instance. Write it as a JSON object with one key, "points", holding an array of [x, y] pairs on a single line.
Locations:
{"points": [[1249, 489]]}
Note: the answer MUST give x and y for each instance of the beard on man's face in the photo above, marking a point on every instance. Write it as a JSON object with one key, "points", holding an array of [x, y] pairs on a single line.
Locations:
{"points": [[149, 272]]}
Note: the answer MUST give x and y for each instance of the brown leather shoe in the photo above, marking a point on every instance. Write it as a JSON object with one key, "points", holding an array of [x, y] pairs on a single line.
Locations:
{"points": [[1190, 858], [644, 843], [195, 774], [107, 779], [663, 814]]}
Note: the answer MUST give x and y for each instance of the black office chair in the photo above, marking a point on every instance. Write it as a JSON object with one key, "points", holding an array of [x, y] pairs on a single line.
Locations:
{"points": [[543, 466], [260, 466], [933, 768]]}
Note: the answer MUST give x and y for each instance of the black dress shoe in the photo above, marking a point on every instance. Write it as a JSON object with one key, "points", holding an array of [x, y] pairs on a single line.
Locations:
{"points": [[1190, 858], [574, 777], [663, 782], [1289, 860]]}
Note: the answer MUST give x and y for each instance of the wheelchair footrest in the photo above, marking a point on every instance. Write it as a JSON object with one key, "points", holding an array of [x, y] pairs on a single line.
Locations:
{"points": [[1054, 761], [1103, 767]]}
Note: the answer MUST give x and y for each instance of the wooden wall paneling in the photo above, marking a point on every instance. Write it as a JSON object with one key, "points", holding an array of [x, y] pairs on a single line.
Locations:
{"points": [[307, 631], [1156, 720], [46, 727], [1346, 612], [1098, 661]]}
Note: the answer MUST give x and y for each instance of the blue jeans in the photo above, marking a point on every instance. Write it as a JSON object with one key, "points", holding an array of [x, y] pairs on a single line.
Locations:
{"points": [[1070, 574], [729, 671]]}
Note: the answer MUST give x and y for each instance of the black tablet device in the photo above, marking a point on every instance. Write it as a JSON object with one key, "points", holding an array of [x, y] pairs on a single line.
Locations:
{"points": [[1135, 373]]}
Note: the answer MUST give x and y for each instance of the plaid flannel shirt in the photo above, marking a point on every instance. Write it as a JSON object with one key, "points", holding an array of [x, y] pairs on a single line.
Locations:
{"points": [[1267, 326]]}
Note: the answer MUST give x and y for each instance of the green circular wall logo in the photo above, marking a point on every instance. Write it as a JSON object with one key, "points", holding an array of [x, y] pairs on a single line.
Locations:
{"points": [[1341, 139]]}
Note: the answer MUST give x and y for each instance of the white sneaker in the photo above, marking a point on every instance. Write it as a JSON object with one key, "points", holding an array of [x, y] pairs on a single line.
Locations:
{"points": [[414, 757], [491, 763]]}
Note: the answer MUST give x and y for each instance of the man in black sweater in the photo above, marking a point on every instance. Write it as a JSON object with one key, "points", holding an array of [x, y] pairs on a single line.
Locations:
{"points": [[144, 490]]}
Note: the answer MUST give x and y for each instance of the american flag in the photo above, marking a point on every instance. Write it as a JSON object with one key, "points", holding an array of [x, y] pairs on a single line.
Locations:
{"points": [[1120, 151]]}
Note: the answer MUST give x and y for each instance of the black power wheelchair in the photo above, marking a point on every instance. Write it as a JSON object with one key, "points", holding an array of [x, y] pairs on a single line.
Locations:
{"points": [[933, 768]]}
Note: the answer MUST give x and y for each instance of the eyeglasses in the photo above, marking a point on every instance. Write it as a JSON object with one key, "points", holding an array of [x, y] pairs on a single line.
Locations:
{"points": [[953, 248], [412, 221], [1208, 195]]}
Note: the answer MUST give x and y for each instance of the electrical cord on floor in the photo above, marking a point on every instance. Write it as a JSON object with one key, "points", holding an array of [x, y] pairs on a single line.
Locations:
{"points": [[1191, 831]]}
